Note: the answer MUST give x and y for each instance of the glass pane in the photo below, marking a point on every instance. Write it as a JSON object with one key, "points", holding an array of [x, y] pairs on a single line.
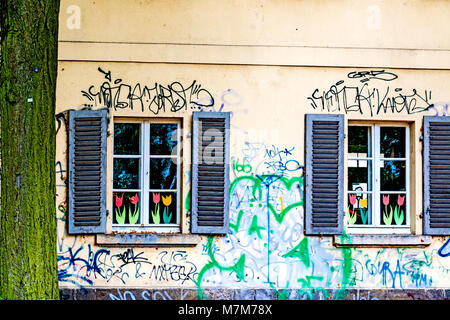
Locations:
{"points": [[127, 138], [393, 175], [359, 175], [126, 173], [392, 140], [126, 207], [359, 142], [393, 209], [163, 207], [163, 173], [359, 209], [163, 138]]}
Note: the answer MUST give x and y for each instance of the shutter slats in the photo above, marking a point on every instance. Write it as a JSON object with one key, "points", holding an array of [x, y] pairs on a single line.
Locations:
{"points": [[210, 186], [87, 171], [324, 174], [437, 175]]}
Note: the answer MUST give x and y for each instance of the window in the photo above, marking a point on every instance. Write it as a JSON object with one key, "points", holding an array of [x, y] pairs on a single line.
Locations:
{"points": [[378, 190], [378, 178], [146, 176]]}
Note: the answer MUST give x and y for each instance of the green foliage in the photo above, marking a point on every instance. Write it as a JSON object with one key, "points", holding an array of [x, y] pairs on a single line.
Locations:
{"points": [[398, 216], [387, 218], [364, 215], [351, 217], [167, 215], [120, 216], [155, 215], [133, 217]]}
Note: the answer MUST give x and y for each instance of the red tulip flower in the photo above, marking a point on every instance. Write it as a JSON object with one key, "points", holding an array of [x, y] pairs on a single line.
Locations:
{"points": [[386, 200], [134, 199], [400, 200], [119, 201], [352, 198], [156, 197]]}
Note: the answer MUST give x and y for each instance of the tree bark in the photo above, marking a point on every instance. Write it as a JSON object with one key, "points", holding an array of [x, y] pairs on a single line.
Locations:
{"points": [[28, 250]]}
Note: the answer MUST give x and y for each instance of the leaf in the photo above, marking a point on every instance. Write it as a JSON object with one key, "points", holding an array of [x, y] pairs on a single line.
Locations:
{"points": [[387, 219], [135, 216], [351, 218], [167, 215], [398, 216], [364, 215], [155, 215], [120, 217]]}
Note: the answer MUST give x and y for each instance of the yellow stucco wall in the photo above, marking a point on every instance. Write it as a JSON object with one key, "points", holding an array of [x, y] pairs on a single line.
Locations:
{"points": [[268, 63]]}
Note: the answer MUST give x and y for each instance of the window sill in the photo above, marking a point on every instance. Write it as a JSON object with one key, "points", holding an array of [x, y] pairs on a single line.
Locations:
{"points": [[382, 240], [147, 239]]}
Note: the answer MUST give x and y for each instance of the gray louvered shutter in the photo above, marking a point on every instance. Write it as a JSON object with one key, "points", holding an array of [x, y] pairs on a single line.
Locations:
{"points": [[210, 172], [436, 153], [87, 171], [324, 174]]}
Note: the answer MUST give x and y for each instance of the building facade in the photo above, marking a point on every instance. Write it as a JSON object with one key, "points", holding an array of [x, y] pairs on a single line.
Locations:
{"points": [[253, 150]]}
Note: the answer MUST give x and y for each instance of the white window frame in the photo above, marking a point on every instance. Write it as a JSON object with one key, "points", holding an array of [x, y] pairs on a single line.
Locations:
{"points": [[144, 182], [376, 227]]}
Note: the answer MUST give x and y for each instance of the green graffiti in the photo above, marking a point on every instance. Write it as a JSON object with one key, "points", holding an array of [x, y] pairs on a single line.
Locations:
{"points": [[237, 268], [255, 228], [187, 201], [258, 184], [257, 189], [235, 227], [308, 289], [301, 252], [347, 268]]}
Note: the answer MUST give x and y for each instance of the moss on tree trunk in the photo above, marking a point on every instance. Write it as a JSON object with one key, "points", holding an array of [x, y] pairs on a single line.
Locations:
{"points": [[28, 251]]}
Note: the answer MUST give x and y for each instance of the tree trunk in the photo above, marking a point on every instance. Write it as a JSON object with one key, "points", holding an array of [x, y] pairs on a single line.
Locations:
{"points": [[28, 251]]}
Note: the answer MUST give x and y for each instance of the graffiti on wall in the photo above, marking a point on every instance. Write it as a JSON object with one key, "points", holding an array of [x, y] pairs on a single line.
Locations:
{"points": [[156, 98], [444, 251], [266, 246], [367, 97], [81, 266]]}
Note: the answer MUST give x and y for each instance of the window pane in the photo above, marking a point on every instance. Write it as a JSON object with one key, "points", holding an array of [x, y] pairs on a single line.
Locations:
{"points": [[359, 209], [126, 207], [163, 138], [393, 175], [393, 209], [392, 142], [126, 173], [359, 142], [127, 138], [163, 173], [163, 207], [359, 175]]}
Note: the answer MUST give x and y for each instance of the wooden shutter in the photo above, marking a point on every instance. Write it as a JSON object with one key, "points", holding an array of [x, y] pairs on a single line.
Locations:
{"points": [[87, 171], [324, 174], [436, 153], [210, 172]]}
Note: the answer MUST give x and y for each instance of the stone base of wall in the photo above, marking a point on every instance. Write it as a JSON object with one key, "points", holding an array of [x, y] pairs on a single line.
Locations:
{"points": [[253, 294]]}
